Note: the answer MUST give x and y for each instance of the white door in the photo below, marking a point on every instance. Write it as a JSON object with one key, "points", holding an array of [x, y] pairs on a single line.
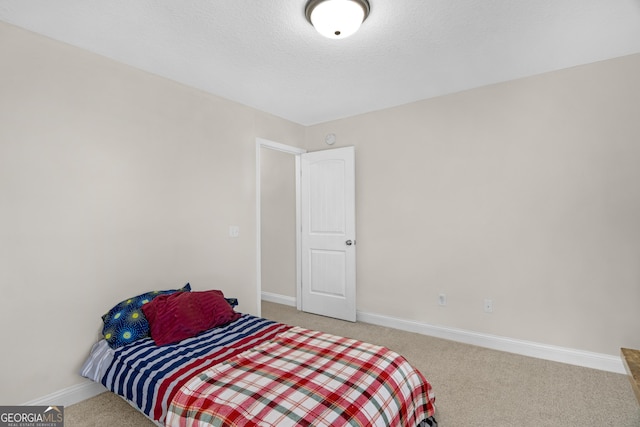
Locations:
{"points": [[329, 233]]}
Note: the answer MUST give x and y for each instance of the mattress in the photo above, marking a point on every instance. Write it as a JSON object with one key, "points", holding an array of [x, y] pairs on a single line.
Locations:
{"points": [[255, 371]]}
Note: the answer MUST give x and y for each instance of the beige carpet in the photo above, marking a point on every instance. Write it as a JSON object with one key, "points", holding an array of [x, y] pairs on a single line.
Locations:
{"points": [[474, 386]]}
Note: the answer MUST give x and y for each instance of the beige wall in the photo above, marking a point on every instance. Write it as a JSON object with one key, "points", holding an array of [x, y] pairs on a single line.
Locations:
{"points": [[278, 222], [113, 182], [526, 192]]}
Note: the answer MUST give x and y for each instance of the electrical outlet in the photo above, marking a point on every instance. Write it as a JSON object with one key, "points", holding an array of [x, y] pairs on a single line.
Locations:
{"points": [[488, 305], [442, 299]]}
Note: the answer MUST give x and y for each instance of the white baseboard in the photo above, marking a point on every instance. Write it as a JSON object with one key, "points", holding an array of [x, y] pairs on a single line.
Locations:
{"points": [[603, 362], [70, 395], [278, 299]]}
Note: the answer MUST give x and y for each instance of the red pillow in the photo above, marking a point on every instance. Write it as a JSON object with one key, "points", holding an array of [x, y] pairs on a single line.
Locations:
{"points": [[175, 317]]}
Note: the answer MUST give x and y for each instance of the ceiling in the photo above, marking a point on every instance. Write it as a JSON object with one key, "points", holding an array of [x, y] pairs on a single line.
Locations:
{"points": [[264, 54]]}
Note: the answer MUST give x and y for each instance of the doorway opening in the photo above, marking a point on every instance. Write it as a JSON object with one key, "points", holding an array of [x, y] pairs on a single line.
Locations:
{"points": [[278, 274], [319, 187]]}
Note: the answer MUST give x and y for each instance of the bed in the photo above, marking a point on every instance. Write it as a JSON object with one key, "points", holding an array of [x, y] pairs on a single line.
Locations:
{"points": [[247, 370]]}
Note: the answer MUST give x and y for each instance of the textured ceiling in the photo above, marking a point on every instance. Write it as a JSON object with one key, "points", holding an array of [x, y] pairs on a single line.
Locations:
{"points": [[264, 54]]}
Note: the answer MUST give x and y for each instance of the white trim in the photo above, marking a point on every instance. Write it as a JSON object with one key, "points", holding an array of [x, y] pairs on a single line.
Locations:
{"points": [[279, 146], [279, 299], [70, 395], [261, 142], [587, 359], [298, 230], [603, 362]]}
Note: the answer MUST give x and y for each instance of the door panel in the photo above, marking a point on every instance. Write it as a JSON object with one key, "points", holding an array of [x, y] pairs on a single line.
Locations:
{"points": [[328, 273], [326, 197], [327, 223]]}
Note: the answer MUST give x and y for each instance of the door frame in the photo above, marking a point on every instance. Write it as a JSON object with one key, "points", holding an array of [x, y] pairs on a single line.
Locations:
{"points": [[296, 152]]}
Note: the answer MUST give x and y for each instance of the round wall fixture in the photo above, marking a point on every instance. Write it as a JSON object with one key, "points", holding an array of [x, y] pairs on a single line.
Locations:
{"points": [[337, 19], [330, 139]]}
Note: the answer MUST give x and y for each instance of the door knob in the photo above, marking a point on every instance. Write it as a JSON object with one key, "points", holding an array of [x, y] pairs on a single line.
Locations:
{"points": [[349, 242]]}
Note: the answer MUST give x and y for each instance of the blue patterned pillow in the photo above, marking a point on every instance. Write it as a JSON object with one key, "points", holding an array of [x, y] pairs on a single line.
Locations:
{"points": [[126, 323]]}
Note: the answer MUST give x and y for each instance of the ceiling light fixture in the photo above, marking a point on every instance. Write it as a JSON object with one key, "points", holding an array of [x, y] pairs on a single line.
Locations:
{"points": [[337, 19]]}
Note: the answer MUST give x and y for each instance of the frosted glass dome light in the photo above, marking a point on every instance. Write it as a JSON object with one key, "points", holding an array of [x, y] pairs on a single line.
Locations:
{"points": [[337, 19]]}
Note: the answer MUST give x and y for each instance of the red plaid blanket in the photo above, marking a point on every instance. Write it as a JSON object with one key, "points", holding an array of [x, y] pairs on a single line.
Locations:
{"points": [[305, 377]]}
